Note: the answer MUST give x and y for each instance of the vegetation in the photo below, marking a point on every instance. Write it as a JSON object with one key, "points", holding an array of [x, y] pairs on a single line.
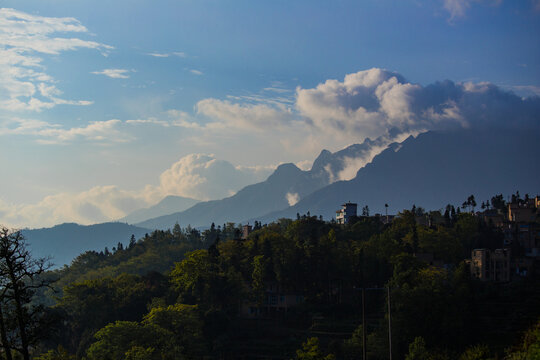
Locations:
{"points": [[182, 294]]}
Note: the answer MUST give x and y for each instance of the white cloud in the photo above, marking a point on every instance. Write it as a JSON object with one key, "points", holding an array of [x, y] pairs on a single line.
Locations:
{"points": [[374, 103], [98, 204], [179, 54], [292, 198], [196, 72], [175, 118], [458, 8], [46, 133], [257, 117], [22, 38], [197, 176], [95, 131], [204, 177], [159, 55], [113, 73]]}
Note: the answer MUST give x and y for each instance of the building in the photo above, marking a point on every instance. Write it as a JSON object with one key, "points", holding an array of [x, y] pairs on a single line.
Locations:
{"points": [[246, 230], [276, 302], [347, 211], [523, 211], [490, 265]]}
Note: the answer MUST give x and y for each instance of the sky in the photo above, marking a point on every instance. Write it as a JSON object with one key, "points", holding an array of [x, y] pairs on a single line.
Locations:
{"points": [[108, 106]]}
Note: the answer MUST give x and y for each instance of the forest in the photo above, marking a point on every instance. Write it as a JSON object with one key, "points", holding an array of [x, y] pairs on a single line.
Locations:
{"points": [[292, 289]]}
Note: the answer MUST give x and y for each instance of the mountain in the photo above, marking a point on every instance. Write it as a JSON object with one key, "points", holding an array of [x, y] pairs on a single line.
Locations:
{"points": [[66, 241], [432, 170], [170, 204], [287, 185]]}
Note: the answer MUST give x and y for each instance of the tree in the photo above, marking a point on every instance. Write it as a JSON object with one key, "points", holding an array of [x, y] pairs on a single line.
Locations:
{"points": [[19, 278], [365, 211], [418, 350], [132, 241], [310, 351], [258, 276]]}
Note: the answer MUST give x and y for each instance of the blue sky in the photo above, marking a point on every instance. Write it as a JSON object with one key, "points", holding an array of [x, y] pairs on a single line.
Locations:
{"points": [[109, 106]]}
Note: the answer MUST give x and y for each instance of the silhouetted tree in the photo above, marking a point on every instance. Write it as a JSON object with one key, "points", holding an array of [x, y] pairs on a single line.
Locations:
{"points": [[19, 274]]}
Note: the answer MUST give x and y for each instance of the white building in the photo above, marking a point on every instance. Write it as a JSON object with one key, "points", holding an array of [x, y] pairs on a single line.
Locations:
{"points": [[347, 211]]}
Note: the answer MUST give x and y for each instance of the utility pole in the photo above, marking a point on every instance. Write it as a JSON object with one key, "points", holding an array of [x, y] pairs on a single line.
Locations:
{"points": [[363, 325], [389, 325]]}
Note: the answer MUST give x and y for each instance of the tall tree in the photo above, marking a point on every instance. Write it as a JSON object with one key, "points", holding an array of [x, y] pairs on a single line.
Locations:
{"points": [[19, 277]]}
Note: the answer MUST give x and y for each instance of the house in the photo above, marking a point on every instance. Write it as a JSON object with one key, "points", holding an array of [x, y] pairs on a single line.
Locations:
{"points": [[523, 211], [276, 301], [347, 211], [246, 230], [490, 265]]}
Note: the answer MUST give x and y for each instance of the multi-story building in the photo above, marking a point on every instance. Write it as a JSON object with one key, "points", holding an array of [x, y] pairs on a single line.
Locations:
{"points": [[490, 265], [347, 211]]}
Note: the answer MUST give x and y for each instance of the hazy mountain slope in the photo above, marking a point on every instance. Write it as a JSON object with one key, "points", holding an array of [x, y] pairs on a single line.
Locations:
{"points": [[170, 204], [64, 242], [253, 199], [432, 170], [285, 186]]}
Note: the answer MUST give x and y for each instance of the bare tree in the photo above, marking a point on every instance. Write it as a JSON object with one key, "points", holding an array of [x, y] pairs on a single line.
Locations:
{"points": [[19, 278]]}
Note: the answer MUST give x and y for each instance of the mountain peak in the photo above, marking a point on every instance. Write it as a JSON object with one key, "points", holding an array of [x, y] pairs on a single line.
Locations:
{"points": [[286, 169], [324, 158]]}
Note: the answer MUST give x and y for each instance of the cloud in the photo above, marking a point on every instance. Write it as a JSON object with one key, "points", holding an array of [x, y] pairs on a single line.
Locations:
{"points": [[196, 72], [113, 73], [255, 117], [179, 54], [458, 8], [523, 90], [23, 37], [46, 133], [375, 103], [98, 204], [292, 198], [175, 118], [197, 176], [204, 177], [159, 55]]}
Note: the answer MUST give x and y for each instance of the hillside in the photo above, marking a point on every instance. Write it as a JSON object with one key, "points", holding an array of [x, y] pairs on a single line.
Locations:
{"points": [[65, 241], [287, 185], [432, 170], [168, 205]]}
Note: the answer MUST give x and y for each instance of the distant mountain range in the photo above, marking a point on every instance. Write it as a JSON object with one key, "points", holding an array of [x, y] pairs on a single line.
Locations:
{"points": [[286, 186], [433, 170], [170, 204], [66, 241]]}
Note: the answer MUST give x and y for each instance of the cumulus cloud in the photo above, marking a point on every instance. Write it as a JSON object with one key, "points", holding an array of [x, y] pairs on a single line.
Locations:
{"points": [[113, 73], [197, 176], [204, 177], [24, 85], [99, 204], [376, 104]]}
